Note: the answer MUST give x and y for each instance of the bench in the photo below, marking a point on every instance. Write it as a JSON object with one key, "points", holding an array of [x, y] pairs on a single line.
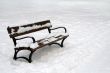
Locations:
{"points": [[16, 31]]}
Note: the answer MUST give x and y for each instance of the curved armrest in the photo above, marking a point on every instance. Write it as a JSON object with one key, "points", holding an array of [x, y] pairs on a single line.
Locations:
{"points": [[58, 28], [26, 37]]}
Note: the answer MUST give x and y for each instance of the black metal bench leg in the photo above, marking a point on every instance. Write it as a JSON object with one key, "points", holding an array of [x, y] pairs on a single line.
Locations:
{"points": [[62, 42], [15, 54], [28, 59]]}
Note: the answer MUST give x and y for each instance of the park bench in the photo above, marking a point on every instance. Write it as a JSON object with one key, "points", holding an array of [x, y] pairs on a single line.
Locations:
{"points": [[33, 45]]}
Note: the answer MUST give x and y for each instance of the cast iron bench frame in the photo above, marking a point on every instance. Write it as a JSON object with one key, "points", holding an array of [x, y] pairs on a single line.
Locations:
{"points": [[32, 50]]}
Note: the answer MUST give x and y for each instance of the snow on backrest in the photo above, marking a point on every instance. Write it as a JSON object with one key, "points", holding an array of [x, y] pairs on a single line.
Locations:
{"points": [[29, 27]]}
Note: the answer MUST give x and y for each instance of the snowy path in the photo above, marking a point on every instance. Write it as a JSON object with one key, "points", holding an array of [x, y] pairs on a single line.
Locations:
{"points": [[86, 50]]}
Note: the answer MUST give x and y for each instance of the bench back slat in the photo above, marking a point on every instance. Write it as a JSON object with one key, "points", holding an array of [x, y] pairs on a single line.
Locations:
{"points": [[29, 28]]}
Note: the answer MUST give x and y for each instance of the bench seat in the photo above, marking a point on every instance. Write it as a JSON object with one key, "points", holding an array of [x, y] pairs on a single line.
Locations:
{"points": [[42, 42]]}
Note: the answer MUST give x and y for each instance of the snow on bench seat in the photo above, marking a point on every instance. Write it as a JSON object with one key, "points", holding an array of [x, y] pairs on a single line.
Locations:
{"points": [[29, 43]]}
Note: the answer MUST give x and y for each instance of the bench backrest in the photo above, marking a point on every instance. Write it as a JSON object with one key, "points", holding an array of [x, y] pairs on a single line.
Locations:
{"points": [[29, 28]]}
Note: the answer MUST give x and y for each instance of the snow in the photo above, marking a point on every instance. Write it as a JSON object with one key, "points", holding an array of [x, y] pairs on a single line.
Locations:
{"points": [[34, 45], [44, 41], [56, 34], [50, 39], [24, 29], [22, 45], [86, 50], [24, 42]]}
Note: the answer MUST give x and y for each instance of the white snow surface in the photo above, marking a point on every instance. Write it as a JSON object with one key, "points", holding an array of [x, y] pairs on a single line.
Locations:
{"points": [[86, 50], [27, 42], [34, 45]]}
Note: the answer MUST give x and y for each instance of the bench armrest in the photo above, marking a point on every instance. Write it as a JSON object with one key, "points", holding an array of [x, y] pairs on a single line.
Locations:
{"points": [[26, 37], [57, 28]]}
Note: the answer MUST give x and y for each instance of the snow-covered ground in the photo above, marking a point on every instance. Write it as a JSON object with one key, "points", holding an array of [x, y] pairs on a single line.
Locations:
{"points": [[87, 49]]}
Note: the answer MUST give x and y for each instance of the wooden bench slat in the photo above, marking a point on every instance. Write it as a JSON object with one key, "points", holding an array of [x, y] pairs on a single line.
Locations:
{"points": [[29, 28]]}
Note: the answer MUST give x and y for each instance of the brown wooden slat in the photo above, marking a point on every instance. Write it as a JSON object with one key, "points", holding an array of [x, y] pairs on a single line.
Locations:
{"points": [[27, 32], [16, 28]]}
